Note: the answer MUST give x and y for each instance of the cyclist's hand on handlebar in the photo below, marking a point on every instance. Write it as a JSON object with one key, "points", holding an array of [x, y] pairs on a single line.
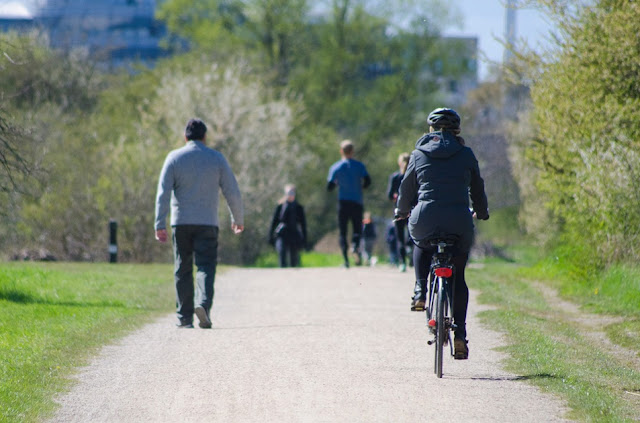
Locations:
{"points": [[397, 215]]}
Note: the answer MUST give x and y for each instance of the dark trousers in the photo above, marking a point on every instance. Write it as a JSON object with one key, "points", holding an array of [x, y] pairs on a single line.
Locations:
{"points": [[287, 252], [199, 243], [401, 224], [349, 211], [422, 264]]}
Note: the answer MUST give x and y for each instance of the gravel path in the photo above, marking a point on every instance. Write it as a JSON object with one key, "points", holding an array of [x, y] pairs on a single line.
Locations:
{"points": [[303, 345]]}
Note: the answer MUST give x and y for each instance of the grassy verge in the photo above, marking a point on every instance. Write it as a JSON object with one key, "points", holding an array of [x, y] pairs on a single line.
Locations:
{"points": [[555, 352], [614, 291], [54, 316], [307, 259]]}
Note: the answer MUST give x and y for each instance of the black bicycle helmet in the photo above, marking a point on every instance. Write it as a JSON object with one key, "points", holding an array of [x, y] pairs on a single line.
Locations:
{"points": [[443, 118]]}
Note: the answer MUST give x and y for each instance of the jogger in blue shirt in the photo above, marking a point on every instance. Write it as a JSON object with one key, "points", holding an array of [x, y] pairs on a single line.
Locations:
{"points": [[350, 176]]}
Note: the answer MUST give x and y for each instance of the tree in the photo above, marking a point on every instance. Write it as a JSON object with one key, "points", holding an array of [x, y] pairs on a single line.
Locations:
{"points": [[14, 165], [248, 122], [586, 115], [48, 97], [17, 165]]}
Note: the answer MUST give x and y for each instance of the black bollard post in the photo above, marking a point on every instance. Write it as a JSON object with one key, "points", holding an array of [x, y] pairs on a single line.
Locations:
{"points": [[113, 242]]}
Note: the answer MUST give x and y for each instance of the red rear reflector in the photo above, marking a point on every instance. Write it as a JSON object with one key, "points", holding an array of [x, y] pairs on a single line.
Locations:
{"points": [[443, 272], [432, 323]]}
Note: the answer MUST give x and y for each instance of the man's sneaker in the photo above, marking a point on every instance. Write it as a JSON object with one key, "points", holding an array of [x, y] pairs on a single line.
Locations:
{"points": [[403, 267], [203, 316], [461, 350], [417, 305], [184, 324]]}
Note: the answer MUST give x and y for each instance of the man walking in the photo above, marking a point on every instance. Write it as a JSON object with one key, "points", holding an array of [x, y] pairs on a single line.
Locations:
{"points": [[351, 177], [190, 179]]}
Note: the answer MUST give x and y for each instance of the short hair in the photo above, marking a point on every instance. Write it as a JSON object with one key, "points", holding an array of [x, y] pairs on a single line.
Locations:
{"points": [[195, 130], [346, 147]]}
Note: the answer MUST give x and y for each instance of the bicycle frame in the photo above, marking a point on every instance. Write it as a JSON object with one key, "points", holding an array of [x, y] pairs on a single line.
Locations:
{"points": [[440, 299]]}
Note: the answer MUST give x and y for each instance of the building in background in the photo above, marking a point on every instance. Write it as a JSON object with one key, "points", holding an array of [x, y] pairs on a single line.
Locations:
{"points": [[462, 75], [115, 32]]}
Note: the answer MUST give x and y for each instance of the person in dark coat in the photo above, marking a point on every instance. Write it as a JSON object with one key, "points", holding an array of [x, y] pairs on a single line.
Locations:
{"points": [[392, 193], [434, 195], [288, 232]]}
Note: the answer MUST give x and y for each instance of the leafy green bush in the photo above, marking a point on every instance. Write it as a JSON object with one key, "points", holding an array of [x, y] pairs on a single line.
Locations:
{"points": [[587, 119]]}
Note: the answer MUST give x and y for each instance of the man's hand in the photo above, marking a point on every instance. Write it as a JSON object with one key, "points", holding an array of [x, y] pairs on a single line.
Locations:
{"points": [[237, 228], [161, 235]]}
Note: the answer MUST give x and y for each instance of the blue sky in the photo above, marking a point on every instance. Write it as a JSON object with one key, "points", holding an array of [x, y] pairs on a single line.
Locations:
{"points": [[485, 20], [481, 18]]}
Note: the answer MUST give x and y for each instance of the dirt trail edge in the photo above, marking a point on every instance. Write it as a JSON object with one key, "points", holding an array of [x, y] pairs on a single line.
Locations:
{"points": [[303, 345]]}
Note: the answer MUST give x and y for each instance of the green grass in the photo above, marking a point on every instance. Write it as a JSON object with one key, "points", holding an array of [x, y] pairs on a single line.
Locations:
{"points": [[552, 352], [626, 334], [54, 316], [615, 290], [307, 259]]}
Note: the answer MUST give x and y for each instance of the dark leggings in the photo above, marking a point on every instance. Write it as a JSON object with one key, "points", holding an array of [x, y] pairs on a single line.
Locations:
{"points": [[349, 211], [422, 263], [401, 224]]}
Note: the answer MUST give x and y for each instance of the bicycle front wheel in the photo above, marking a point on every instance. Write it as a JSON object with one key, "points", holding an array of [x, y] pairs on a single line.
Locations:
{"points": [[441, 303]]}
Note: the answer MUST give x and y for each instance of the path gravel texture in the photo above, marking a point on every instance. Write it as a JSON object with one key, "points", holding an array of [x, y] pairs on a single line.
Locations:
{"points": [[303, 345]]}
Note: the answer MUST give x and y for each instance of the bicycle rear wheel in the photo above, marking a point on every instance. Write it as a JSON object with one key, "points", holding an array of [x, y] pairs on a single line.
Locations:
{"points": [[441, 303]]}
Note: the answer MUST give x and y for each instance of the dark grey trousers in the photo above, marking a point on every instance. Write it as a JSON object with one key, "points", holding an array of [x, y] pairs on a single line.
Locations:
{"points": [[199, 243], [287, 249]]}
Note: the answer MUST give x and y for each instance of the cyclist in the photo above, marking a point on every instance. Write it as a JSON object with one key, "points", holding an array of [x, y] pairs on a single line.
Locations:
{"points": [[434, 195]]}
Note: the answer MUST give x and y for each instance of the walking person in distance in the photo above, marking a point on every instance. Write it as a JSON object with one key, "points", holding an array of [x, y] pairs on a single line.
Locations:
{"points": [[350, 176], [434, 195], [401, 224], [369, 237], [288, 231], [188, 186]]}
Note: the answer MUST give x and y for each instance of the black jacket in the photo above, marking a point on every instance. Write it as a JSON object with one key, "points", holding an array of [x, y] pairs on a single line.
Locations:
{"points": [[394, 184], [292, 218], [441, 176]]}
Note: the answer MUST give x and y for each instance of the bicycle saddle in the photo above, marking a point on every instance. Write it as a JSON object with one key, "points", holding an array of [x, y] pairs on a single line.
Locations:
{"points": [[450, 240]]}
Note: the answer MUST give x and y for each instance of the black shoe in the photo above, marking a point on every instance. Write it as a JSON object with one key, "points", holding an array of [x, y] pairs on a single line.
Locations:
{"points": [[417, 304], [184, 324], [357, 258], [461, 349], [203, 316]]}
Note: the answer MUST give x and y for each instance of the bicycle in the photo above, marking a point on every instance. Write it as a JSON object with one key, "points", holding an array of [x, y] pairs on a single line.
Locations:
{"points": [[441, 287]]}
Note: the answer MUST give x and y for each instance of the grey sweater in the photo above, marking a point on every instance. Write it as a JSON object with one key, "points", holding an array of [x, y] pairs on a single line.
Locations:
{"points": [[191, 177]]}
